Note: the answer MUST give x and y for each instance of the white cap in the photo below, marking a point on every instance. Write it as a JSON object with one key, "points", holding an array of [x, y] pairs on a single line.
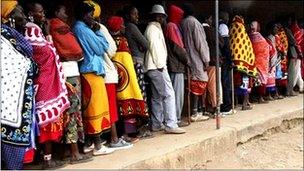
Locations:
{"points": [[158, 9]]}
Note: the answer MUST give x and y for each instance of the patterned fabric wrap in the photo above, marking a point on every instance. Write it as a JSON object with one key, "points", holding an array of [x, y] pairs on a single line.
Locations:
{"points": [[284, 62], [19, 135], [51, 101], [73, 126], [12, 156], [129, 96], [241, 48], [95, 105], [261, 51]]}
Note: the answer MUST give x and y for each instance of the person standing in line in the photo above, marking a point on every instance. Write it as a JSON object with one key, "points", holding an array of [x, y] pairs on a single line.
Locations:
{"points": [[17, 70], [111, 80], [95, 103], [138, 45], [211, 101], [70, 53], [163, 100], [294, 54], [198, 50], [226, 65], [51, 101], [261, 51], [177, 58]]}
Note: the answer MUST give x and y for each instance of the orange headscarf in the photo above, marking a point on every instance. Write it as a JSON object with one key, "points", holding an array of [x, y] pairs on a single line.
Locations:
{"points": [[7, 6], [96, 7]]}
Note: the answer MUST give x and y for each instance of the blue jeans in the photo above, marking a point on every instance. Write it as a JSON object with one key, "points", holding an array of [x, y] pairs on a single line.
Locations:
{"points": [[178, 83], [226, 83], [162, 100]]}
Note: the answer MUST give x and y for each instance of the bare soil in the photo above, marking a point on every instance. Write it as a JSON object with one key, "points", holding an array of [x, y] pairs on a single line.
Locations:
{"points": [[279, 148]]}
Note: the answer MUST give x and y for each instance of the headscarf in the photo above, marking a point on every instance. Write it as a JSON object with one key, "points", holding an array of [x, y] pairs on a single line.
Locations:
{"points": [[115, 24], [96, 7], [7, 6]]}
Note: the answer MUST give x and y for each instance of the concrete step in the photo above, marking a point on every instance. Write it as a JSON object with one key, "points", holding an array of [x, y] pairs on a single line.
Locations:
{"points": [[202, 142]]}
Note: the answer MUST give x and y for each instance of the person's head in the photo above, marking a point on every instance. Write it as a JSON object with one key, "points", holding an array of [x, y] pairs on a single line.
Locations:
{"points": [[97, 9], [36, 13], [272, 28], [158, 13], [176, 14], [208, 19], [13, 14], [188, 9], [84, 13], [224, 16], [116, 25], [255, 26], [131, 14], [60, 12]]}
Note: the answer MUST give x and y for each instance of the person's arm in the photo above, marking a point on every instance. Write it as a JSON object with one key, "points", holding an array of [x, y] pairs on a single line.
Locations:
{"points": [[201, 44], [154, 46], [139, 38], [112, 45], [178, 51]]}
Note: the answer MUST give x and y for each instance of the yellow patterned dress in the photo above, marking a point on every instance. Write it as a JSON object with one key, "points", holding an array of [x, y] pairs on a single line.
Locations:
{"points": [[241, 48]]}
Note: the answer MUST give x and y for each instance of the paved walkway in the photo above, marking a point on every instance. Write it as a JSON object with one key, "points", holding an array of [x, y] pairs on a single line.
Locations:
{"points": [[202, 140]]}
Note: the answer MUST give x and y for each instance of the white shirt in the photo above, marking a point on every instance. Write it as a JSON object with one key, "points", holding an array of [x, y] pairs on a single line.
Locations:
{"points": [[70, 68], [224, 30], [156, 56], [111, 72]]}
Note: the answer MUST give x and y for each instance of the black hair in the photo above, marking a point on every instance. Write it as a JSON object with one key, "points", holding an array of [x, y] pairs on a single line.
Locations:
{"points": [[127, 10], [270, 26], [188, 9], [82, 10], [53, 9]]}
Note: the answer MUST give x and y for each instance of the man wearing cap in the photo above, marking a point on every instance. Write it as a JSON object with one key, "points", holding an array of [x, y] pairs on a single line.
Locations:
{"points": [[163, 99]]}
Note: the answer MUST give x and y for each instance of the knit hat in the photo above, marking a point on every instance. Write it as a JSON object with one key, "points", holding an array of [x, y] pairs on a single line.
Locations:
{"points": [[115, 24], [158, 9]]}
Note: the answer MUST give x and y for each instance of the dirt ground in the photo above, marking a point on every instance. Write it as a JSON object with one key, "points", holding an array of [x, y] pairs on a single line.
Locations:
{"points": [[279, 150]]}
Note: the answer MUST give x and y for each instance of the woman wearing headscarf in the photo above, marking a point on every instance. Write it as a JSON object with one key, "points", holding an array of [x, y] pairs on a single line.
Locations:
{"points": [[95, 103], [17, 88], [51, 97], [69, 52], [243, 59], [130, 100], [261, 52], [111, 81]]}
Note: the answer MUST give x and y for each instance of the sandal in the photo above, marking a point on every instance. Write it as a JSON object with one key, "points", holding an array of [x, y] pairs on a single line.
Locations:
{"points": [[146, 134], [81, 159], [52, 164]]}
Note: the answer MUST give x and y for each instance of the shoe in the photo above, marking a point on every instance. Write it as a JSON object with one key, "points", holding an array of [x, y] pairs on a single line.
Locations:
{"points": [[174, 130], [292, 93], [247, 108], [88, 149], [130, 139], [103, 151], [198, 118], [183, 124], [120, 144], [81, 159], [52, 164], [158, 129]]}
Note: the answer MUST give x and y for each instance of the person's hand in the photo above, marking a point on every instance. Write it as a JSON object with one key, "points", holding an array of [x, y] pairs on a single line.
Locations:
{"points": [[160, 69], [46, 27], [95, 26]]}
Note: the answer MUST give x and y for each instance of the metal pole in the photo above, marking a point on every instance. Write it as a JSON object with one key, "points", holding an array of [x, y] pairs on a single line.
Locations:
{"points": [[217, 113]]}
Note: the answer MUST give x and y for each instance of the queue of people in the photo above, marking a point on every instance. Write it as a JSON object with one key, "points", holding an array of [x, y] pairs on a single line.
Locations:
{"points": [[72, 84]]}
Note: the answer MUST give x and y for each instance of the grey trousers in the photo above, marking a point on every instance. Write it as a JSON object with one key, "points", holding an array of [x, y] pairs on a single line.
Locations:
{"points": [[178, 83], [294, 75], [162, 100]]}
